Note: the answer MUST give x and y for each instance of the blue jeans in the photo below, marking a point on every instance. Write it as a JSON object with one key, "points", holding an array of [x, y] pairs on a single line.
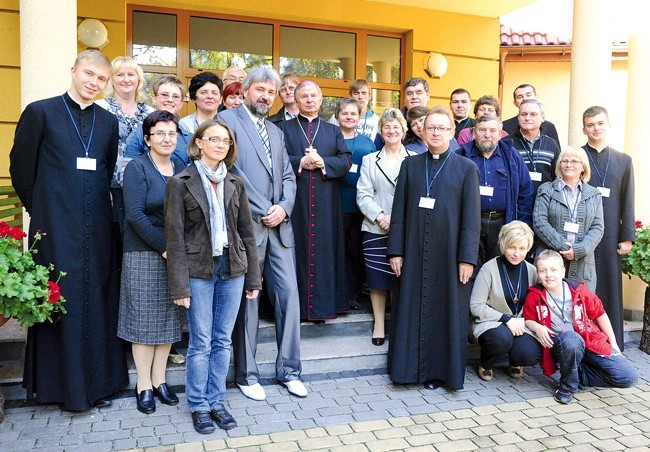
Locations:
{"points": [[581, 366], [211, 317]]}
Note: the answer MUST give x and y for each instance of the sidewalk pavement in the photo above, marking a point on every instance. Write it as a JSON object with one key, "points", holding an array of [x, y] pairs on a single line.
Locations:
{"points": [[363, 411]]}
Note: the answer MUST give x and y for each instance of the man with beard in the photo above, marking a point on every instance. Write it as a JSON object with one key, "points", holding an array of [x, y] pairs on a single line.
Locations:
{"points": [[263, 164], [506, 188]]}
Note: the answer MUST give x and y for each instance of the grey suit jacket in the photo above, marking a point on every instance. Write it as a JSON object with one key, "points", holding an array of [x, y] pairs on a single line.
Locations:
{"points": [[376, 188], [265, 186]]}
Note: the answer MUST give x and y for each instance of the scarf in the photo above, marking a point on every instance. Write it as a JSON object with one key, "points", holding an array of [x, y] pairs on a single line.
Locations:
{"points": [[218, 233]]}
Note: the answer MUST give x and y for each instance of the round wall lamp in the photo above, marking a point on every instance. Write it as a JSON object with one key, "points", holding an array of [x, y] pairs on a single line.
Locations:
{"points": [[435, 65], [92, 33]]}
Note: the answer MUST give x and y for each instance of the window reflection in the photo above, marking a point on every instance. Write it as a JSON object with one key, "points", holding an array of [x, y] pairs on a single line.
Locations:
{"points": [[217, 44], [154, 39], [383, 60], [317, 53]]}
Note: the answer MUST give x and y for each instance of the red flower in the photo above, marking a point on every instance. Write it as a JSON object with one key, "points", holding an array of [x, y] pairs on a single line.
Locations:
{"points": [[55, 292], [15, 232], [638, 224]]}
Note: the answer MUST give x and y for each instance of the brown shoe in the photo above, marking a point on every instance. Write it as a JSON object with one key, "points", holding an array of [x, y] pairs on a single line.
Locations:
{"points": [[484, 374], [516, 371]]}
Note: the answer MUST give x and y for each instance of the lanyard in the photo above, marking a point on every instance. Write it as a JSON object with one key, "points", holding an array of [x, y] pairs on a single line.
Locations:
{"points": [[603, 176], [556, 303], [513, 294], [427, 183], [572, 210], [309, 143], [532, 156], [92, 129]]}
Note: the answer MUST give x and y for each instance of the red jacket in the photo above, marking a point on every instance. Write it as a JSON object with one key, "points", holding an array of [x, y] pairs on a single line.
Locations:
{"points": [[586, 308]]}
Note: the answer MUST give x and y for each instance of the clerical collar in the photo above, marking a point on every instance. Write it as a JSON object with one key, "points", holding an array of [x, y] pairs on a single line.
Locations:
{"points": [[441, 156], [78, 102], [304, 118], [598, 150]]}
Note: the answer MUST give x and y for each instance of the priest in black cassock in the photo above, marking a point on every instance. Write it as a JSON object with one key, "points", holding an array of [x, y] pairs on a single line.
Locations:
{"points": [[61, 165], [612, 173], [433, 246], [320, 158]]}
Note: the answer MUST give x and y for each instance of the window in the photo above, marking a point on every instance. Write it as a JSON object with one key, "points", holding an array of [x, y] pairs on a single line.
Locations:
{"points": [[184, 43]]}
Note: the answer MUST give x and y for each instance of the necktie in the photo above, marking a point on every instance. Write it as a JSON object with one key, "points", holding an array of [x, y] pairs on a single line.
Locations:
{"points": [[264, 136]]}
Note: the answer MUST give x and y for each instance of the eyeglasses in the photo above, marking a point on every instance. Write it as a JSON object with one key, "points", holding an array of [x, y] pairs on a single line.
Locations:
{"points": [[217, 140], [161, 135], [437, 129], [570, 162], [167, 96]]}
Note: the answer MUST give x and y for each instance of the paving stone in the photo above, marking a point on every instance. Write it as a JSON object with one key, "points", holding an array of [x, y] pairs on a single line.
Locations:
{"points": [[581, 438], [460, 445], [357, 437], [634, 441], [271, 427], [387, 444], [319, 443], [505, 438], [148, 441], [288, 446], [553, 442], [126, 443]]}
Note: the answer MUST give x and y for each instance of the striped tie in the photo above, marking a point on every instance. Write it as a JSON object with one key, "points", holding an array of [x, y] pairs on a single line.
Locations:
{"points": [[261, 128]]}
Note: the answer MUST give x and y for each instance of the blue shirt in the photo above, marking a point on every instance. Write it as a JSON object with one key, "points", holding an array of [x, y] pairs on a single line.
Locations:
{"points": [[135, 146], [493, 174], [360, 145]]}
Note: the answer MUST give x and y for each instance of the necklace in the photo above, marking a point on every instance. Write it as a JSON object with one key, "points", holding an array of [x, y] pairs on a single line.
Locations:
{"points": [[164, 178], [513, 293], [309, 143]]}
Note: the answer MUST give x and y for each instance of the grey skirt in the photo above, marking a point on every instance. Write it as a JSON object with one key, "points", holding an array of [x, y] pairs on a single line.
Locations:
{"points": [[147, 315]]}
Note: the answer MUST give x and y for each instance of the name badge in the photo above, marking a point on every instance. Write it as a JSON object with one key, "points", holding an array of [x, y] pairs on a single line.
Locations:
{"points": [[486, 191], [604, 192], [427, 203], [86, 164], [354, 168], [571, 227], [535, 176]]}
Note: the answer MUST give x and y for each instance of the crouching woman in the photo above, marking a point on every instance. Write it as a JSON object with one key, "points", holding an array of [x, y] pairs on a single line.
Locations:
{"points": [[571, 324], [211, 260]]}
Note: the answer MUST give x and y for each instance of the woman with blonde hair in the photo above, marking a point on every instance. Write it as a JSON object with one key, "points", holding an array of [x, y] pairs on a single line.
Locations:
{"points": [[497, 304], [568, 216]]}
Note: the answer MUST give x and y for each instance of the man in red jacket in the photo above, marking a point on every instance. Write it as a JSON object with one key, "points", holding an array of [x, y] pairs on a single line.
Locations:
{"points": [[571, 324]]}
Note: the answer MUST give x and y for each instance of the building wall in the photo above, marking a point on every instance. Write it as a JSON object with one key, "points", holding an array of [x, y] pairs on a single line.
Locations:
{"points": [[473, 58]]}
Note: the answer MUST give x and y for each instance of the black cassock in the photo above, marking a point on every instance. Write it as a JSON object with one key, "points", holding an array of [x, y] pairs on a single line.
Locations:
{"points": [[317, 218], [78, 359], [613, 170], [429, 321]]}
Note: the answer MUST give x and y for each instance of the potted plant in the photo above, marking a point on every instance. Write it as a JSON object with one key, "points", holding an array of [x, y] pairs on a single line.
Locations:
{"points": [[637, 263], [26, 291]]}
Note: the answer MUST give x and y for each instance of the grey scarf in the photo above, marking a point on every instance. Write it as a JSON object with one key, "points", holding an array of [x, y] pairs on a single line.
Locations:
{"points": [[218, 233]]}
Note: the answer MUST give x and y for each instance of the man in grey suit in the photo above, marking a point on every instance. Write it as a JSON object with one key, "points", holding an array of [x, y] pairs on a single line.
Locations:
{"points": [[263, 164]]}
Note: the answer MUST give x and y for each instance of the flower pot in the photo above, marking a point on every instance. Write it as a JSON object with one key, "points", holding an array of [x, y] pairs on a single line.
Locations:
{"points": [[3, 320]]}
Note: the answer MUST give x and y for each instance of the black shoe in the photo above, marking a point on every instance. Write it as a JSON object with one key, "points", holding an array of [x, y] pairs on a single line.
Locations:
{"points": [[103, 403], [432, 384], [166, 395], [146, 403], [202, 422], [223, 418], [563, 397], [378, 341]]}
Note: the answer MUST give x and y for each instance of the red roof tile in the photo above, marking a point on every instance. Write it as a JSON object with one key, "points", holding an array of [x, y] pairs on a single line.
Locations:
{"points": [[511, 37]]}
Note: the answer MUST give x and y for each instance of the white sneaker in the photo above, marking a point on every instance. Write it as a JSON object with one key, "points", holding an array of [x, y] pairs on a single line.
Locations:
{"points": [[255, 392], [295, 387]]}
